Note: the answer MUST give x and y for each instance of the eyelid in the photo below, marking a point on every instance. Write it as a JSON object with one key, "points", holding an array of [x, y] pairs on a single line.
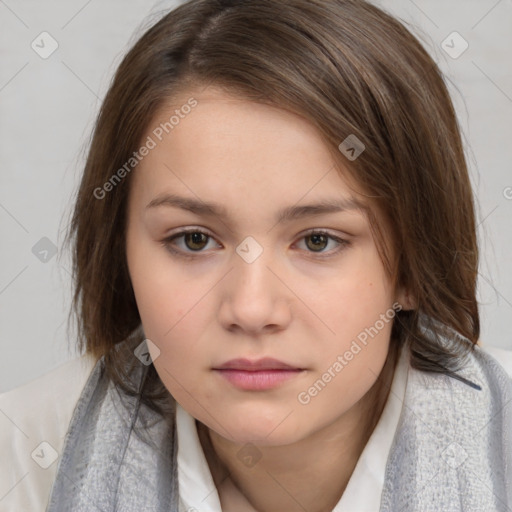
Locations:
{"points": [[191, 229]]}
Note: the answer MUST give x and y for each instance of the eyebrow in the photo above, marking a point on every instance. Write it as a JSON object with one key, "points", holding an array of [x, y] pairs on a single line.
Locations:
{"points": [[287, 214]]}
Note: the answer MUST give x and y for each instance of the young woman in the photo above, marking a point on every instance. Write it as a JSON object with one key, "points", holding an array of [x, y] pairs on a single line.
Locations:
{"points": [[275, 260]]}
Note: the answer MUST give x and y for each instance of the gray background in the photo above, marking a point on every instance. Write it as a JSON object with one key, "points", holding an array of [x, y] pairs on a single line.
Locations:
{"points": [[48, 106]]}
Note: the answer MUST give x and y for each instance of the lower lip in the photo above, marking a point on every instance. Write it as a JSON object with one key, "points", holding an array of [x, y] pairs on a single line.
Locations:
{"points": [[258, 380]]}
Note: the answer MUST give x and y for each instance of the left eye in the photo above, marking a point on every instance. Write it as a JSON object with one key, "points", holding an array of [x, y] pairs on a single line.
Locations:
{"points": [[320, 241]]}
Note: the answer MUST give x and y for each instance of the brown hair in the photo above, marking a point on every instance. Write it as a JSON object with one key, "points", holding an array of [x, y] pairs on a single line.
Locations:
{"points": [[349, 68]]}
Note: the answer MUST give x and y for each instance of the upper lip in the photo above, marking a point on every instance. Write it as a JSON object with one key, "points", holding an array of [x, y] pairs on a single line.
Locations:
{"points": [[267, 363]]}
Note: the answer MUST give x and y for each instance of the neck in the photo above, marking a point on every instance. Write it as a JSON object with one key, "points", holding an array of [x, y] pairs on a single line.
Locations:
{"points": [[311, 474]]}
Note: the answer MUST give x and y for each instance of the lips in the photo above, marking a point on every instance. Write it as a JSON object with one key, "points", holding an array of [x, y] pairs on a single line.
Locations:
{"points": [[267, 363], [258, 375]]}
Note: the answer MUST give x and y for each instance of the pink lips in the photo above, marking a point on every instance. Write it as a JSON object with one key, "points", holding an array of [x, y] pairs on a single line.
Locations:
{"points": [[257, 375]]}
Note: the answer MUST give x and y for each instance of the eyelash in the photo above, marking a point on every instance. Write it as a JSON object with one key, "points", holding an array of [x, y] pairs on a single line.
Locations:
{"points": [[167, 243]]}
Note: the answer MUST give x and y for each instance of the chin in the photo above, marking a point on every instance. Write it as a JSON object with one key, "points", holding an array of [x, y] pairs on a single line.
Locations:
{"points": [[259, 430], [262, 439]]}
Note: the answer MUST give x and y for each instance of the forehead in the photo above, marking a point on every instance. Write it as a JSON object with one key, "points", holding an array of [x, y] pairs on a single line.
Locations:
{"points": [[227, 146]]}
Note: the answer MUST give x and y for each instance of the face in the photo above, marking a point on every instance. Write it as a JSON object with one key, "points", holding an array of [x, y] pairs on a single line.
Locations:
{"points": [[244, 241]]}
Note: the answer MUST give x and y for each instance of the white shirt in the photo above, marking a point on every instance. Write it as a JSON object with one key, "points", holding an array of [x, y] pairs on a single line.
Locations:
{"points": [[34, 419]]}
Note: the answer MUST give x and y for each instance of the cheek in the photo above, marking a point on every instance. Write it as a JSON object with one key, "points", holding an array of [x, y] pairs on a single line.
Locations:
{"points": [[351, 300], [174, 308], [165, 295], [173, 321], [349, 362], [357, 308]]}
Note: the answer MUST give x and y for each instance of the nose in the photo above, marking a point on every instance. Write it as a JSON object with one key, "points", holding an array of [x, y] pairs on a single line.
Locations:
{"points": [[254, 301]]}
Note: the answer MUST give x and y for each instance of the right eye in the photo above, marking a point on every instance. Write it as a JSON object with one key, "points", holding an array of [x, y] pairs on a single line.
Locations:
{"points": [[188, 242]]}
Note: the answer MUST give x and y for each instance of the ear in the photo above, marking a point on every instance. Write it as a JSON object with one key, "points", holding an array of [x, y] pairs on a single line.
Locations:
{"points": [[406, 299]]}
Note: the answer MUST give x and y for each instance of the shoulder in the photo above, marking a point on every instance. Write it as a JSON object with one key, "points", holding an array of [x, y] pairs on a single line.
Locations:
{"points": [[34, 419], [451, 426], [502, 356]]}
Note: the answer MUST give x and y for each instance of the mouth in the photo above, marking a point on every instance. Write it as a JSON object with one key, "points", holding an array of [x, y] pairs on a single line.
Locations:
{"points": [[257, 375]]}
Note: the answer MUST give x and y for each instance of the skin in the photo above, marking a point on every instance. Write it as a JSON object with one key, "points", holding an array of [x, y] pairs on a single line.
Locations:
{"points": [[301, 302]]}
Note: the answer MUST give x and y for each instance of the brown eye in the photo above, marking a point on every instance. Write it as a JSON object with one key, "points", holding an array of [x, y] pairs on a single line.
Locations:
{"points": [[323, 244], [195, 241], [317, 242], [190, 244]]}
